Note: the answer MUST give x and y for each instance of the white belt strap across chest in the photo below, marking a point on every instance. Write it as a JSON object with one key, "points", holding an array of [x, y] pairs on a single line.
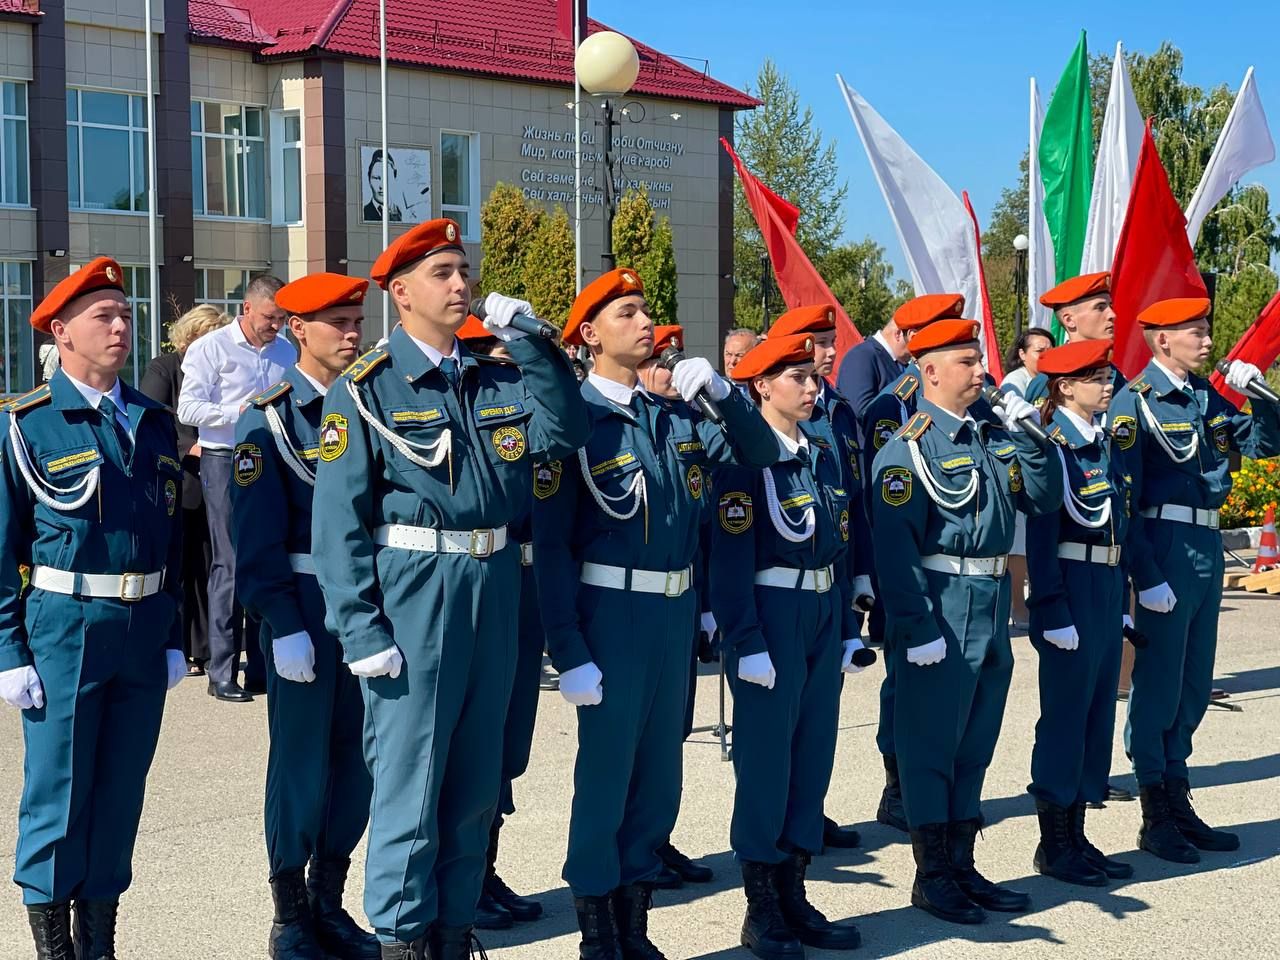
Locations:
{"points": [[1107, 555], [129, 587], [672, 583], [966, 566], [1180, 514], [477, 543], [791, 578]]}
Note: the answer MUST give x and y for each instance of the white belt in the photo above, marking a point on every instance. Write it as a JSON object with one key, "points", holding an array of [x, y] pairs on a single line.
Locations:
{"points": [[791, 578], [526, 554], [1087, 554], [119, 586], [302, 563], [478, 543], [966, 566], [1181, 514], [672, 584]]}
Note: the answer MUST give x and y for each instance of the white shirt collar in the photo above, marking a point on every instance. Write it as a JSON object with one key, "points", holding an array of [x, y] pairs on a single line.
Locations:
{"points": [[320, 387], [791, 446], [1182, 383], [967, 418], [878, 337], [1088, 431], [614, 391], [93, 396], [434, 355]]}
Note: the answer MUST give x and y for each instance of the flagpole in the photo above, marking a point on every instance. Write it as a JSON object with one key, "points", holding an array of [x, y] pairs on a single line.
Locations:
{"points": [[577, 154], [153, 269], [386, 160]]}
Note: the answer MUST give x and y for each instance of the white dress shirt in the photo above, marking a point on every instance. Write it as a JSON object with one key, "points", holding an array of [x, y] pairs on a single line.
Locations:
{"points": [[220, 372], [878, 337], [434, 355], [1182, 383], [1088, 431], [791, 446], [615, 392], [93, 396], [320, 387]]}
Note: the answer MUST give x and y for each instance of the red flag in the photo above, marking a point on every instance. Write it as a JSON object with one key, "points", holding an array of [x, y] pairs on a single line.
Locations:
{"points": [[798, 280], [1153, 261], [990, 346], [1260, 346]]}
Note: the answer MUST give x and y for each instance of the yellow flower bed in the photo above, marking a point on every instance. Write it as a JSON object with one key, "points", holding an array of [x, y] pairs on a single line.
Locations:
{"points": [[1256, 486]]}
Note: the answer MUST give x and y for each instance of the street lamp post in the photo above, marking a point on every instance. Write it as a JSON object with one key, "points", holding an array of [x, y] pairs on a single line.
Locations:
{"points": [[607, 66], [1020, 244]]}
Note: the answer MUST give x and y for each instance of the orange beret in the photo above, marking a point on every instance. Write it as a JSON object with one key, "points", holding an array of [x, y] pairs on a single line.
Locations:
{"points": [[474, 329], [923, 310], [1076, 289], [1075, 357], [944, 333], [101, 273], [669, 335], [816, 319], [622, 282], [320, 291], [421, 241], [1170, 313], [764, 356]]}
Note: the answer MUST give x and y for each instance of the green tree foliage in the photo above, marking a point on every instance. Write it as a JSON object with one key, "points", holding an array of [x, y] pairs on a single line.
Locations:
{"points": [[863, 282], [645, 243], [507, 221], [547, 274]]}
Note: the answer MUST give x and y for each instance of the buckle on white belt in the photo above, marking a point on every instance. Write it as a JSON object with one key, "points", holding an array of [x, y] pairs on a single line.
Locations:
{"points": [[481, 544], [132, 586], [675, 583], [822, 580]]}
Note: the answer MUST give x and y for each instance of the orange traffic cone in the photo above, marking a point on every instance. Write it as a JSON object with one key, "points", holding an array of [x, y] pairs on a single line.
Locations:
{"points": [[1268, 550]]}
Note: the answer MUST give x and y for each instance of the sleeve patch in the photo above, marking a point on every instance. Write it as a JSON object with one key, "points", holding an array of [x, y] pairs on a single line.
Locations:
{"points": [[1125, 431], [246, 463], [884, 430], [895, 486], [546, 479], [333, 437], [735, 512]]}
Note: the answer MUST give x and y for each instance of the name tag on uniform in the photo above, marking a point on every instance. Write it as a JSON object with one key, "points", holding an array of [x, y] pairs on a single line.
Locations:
{"points": [[310, 453], [955, 463], [803, 500], [494, 411], [1177, 427], [1218, 420], [70, 461], [614, 463], [1005, 450], [689, 446], [416, 416], [169, 462], [1101, 486]]}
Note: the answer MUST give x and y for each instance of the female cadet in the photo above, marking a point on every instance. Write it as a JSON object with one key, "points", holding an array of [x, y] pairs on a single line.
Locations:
{"points": [[1077, 608], [782, 594]]}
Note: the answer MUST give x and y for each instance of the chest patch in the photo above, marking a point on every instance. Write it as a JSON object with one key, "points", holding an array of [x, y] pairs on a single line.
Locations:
{"points": [[1101, 486], [693, 480], [735, 512], [1015, 477], [246, 463], [1125, 431], [416, 416], [546, 479], [333, 437], [622, 460], [895, 486], [799, 500], [884, 430], [509, 443], [72, 460], [954, 463]]}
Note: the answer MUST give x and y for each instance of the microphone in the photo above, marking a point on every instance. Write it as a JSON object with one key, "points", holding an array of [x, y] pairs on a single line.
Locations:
{"points": [[1029, 426], [710, 409], [531, 326], [1257, 386], [864, 657], [1139, 640]]}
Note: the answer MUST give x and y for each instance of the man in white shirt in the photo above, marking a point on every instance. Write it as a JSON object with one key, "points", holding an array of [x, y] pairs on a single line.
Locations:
{"points": [[221, 371]]}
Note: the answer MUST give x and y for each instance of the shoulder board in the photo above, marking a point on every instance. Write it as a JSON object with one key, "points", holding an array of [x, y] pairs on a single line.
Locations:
{"points": [[271, 394], [1139, 385], [1057, 436], [360, 369], [500, 361], [39, 395], [917, 425], [905, 386]]}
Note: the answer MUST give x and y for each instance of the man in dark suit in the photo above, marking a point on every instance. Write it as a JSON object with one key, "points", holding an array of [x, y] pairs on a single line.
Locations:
{"points": [[870, 366]]}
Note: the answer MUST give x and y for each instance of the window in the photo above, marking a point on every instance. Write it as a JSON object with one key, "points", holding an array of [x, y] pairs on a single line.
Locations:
{"points": [[460, 181], [106, 150], [223, 288], [228, 161], [286, 167], [15, 298], [137, 290], [15, 159]]}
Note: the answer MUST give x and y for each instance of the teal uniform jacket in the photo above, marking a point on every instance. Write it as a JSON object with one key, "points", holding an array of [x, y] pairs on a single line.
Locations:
{"points": [[947, 715], [837, 425], [101, 661], [318, 785], [784, 739], [1176, 447], [633, 498], [400, 445], [1071, 759]]}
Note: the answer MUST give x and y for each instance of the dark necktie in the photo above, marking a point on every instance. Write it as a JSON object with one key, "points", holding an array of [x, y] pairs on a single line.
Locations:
{"points": [[449, 367], [109, 412]]}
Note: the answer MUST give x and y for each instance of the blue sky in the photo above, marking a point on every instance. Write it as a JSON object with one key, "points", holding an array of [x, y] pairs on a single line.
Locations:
{"points": [[951, 78]]}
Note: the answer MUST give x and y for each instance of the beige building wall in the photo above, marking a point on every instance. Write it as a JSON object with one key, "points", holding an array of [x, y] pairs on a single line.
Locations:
{"points": [[17, 224], [125, 14]]}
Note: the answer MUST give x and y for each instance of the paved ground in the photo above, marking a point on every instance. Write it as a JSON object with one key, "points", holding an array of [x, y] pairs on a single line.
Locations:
{"points": [[200, 883]]}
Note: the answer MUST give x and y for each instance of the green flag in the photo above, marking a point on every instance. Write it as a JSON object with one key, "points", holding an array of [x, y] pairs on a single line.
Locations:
{"points": [[1066, 165]]}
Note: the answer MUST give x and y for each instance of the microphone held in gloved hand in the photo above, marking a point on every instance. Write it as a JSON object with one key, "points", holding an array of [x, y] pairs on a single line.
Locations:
{"points": [[864, 657], [1257, 386], [530, 326], [710, 409], [1028, 424]]}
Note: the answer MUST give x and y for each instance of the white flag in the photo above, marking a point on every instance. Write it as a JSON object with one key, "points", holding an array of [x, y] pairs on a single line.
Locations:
{"points": [[1040, 262], [1122, 130], [933, 226], [1245, 143]]}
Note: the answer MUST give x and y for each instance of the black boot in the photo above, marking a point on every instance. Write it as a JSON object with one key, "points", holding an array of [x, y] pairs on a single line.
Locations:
{"points": [[599, 936], [804, 919], [686, 869], [455, 943], [490, 914], [1190, 825], [51, 930], [292, 936], [631, 915], [963, 834], [94, 935], [935, 891], [1159, 834], [497, 893], [841, 838], [1057, 855], [764, 931], [418, 950], [891, 812], [1115, 869], [335, 930]]}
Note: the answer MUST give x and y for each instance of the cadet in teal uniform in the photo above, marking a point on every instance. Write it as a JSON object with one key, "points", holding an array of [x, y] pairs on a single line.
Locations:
{"points": [[885, 415], [89, 479], [615, 533], [1083, 308], [947, 486], [318, 786], [426, 455], [782, 591], [1077, 608], [1176, 433]]}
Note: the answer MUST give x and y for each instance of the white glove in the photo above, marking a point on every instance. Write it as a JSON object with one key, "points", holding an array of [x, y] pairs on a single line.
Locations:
{"points": [[1240, 373], [581, 686], [1064, 638], [176, 661], [708, 625], [498, 313], [1013, 409], [384, 664], [693, 374], [757, 668], [846, 661], [1127, 621], [21, 688], [295, 657], [1158, 599], [927, 653], [862, 588]]}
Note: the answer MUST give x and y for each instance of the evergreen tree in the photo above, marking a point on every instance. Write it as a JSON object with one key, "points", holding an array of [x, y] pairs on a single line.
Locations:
{"points": [[547, 274]]}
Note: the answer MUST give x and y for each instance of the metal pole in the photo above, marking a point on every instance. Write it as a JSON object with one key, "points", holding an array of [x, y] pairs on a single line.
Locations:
{"points": [[153, 266], [386, 165], [577, 155], [764, 292], [1019, 289], [607, 259]]}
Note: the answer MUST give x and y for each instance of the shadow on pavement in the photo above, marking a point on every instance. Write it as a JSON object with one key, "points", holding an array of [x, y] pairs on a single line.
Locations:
{"points": [[1250, 681]]}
